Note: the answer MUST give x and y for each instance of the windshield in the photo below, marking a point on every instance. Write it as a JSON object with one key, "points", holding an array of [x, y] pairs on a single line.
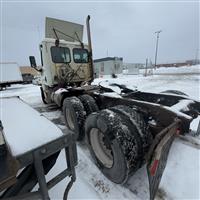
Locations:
{"points": [[60, 54], [80, 55]]}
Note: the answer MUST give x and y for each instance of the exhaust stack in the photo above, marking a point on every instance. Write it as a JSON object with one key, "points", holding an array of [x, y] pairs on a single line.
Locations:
{"points": [[90, 46], [89, 34]]}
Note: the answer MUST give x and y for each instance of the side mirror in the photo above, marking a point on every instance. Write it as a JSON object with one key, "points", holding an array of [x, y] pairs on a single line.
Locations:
{"points": [[33, 62]]}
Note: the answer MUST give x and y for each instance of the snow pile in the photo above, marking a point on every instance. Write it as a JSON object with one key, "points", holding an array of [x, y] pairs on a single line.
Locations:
{"points": [[195, 69], [108, 85], [182, 105], [181, 177], [111, 94], [60, 91]]}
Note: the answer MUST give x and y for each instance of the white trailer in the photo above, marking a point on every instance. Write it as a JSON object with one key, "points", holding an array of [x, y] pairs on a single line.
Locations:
{"points": [[9, 74]]}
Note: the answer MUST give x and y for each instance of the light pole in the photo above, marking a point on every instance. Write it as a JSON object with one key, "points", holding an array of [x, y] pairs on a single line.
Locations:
{"points": [[157, 32]]}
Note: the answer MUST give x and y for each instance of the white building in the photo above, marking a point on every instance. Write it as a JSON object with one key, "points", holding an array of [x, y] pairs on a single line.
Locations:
{"points": [[108, 66], [132, 68]]}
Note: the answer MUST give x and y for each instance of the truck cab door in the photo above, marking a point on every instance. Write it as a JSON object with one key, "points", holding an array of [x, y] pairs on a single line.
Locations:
{"points": [[158, 154]]}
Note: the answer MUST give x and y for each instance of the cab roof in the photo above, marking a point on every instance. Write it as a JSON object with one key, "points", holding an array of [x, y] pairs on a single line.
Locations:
{"points": [[51, 40]]}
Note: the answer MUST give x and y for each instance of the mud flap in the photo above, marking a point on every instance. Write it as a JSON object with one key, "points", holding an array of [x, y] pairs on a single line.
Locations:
{"points": [[158, 155]]}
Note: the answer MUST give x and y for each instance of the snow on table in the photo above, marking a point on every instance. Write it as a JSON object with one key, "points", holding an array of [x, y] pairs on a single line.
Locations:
{"points": [[24, 128]]}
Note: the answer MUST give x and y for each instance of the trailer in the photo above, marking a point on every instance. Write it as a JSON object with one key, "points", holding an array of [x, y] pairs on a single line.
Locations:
{"points": [[9, 74], [123, 130]]}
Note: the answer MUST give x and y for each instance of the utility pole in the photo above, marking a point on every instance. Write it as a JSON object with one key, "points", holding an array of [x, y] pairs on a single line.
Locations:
{"points": [[157, 33], [145, 74]]}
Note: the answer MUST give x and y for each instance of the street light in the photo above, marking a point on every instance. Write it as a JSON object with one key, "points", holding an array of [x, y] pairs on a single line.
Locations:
{"points": [[157, 32]]}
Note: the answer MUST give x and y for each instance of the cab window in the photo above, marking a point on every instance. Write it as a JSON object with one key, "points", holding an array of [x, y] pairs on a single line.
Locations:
{"points": [[60, 55], [80, 55]]}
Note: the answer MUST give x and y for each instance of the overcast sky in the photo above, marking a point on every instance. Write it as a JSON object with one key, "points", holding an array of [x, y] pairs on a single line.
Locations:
{"points": [[118, 28]]}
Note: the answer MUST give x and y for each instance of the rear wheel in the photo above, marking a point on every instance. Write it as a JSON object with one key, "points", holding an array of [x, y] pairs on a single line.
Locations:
{"points": [[132, 115], [89, 103], [101, 147], [74, 115], [116, 151]]}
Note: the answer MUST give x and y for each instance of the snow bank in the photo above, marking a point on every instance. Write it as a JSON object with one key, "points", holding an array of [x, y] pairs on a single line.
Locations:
{"points": [[195, 69], [181, 177], [182, 105]]}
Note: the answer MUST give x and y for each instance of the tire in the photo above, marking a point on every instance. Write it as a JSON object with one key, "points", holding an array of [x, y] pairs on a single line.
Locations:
{"points": [[174, 92], [74, 115], [136, 134], [89, 104], [137, 119], [42, 95], [115, 150]]}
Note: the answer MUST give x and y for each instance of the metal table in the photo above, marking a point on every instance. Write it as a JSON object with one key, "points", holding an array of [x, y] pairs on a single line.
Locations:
{"points": [[34, 163]]}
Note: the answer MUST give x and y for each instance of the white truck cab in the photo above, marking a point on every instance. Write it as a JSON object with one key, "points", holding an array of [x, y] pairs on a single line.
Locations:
{"points": [[66, 61], [64, 64]]}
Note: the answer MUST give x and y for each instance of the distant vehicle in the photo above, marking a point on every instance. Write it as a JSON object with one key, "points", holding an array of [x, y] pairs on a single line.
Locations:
{"points": [[28, 74], [9, 74]]}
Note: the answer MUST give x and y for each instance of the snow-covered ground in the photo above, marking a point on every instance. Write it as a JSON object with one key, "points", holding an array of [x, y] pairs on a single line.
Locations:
{"points": [[195, 69], [177, 70], [181, 179]]}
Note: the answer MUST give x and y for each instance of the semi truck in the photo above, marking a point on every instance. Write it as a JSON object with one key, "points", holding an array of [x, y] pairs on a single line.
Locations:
{"points": [[123, 131]]}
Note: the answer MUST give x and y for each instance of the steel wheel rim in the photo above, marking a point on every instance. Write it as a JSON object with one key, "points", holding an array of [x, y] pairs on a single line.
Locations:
{"points": [[100, 150]]}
